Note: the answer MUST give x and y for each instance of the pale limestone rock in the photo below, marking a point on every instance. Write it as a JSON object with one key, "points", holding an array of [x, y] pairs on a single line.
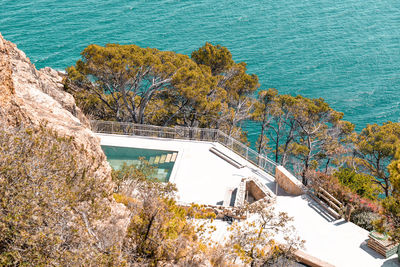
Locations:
{"points": [[31, 97], [52, 84], [112, 229]]}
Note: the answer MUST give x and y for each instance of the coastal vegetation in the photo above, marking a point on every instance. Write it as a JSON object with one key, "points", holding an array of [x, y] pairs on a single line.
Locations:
{"points": [[161, 231], [211, 90], [49, 200], [375, 149], [51, 205], [304, 133], [142, 85], [392, 203], [61, 204]]}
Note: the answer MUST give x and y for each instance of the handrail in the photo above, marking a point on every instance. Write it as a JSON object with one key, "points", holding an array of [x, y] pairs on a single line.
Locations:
{"points": [[186, 133]]}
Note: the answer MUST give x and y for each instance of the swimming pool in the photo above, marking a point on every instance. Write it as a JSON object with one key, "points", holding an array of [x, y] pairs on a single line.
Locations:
{"points": [[162, 160]]}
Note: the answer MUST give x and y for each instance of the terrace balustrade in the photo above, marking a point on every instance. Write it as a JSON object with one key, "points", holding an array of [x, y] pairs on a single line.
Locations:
{"points": [[186, 133]]}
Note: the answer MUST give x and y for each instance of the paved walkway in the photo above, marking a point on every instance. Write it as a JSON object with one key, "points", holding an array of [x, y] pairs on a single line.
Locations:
{"points": [[202, 177], [337, 242]]}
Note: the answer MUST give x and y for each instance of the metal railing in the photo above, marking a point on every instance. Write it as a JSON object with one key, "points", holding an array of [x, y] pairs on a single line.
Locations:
{"points": [[186, 133]]}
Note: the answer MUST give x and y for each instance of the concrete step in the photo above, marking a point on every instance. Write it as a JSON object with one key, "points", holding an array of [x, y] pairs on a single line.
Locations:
{"points": [[151, 160], [162, 159], [228, 197], [168, 158], [226, 158], [174, 155]]}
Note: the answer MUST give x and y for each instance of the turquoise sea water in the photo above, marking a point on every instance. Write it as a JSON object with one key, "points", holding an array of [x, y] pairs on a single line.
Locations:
{"points": [[347, 52]]}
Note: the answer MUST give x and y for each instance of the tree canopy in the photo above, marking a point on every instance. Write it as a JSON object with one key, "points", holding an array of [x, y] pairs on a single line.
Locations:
{"points": [[303, 132], [148, 86], [127, 77], [375, 148], [217, 57], [392, 203], [237, 85]]}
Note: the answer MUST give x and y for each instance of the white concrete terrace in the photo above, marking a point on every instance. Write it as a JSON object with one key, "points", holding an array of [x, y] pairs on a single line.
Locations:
{"points": [[202, 177], [199, 175]]}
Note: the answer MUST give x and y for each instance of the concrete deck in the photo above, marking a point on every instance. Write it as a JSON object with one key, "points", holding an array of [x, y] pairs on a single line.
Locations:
{"points": [[202, 177], [337, 242]]}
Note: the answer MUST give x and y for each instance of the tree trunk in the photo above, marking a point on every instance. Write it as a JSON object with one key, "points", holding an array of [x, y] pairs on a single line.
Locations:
{"points": [[327, 165], [277, 148], [261, 141], [303, 176], [386, 188]]}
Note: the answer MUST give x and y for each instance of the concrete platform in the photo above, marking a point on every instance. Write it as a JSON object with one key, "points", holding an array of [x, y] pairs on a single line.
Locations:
{"points": [[202, 177], [337, 242]]}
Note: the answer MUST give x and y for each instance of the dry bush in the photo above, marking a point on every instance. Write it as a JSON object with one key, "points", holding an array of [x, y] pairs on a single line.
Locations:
{"points": [[50, 202], [265, 238], [160, 231], [330, 183], [49, 198]]}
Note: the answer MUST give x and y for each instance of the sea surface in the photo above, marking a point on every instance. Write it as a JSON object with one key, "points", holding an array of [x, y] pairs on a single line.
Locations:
{"points": [[347, 52]]}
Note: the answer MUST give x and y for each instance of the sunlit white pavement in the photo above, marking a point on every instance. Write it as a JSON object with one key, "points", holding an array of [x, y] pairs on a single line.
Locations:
{"points": [[202, 177], [337, 242]]}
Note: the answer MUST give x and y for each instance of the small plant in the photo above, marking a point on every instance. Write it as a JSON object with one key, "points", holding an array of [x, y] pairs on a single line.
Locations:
{"points": [[365, 219]]}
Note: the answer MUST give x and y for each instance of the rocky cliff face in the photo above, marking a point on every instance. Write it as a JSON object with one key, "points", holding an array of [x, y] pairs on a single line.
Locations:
{"points": [[33, 97], [36, 94]]}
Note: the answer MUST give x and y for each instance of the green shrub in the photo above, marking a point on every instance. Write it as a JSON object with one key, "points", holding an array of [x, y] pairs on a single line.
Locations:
{"points": [[359, 183], [365, 219]]}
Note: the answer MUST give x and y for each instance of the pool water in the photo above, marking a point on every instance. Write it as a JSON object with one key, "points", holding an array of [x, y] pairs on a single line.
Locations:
{"points": [[163, 161]]}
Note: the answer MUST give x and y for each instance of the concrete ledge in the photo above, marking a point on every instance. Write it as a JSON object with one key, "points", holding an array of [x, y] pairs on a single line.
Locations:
{"points": [[226, 158], [288, 182], [257, 190], [309, 260]]}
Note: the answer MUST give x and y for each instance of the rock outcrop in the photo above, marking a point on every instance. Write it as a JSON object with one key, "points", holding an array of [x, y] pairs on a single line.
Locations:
{"points": [[32, 97], [38, 94]]}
